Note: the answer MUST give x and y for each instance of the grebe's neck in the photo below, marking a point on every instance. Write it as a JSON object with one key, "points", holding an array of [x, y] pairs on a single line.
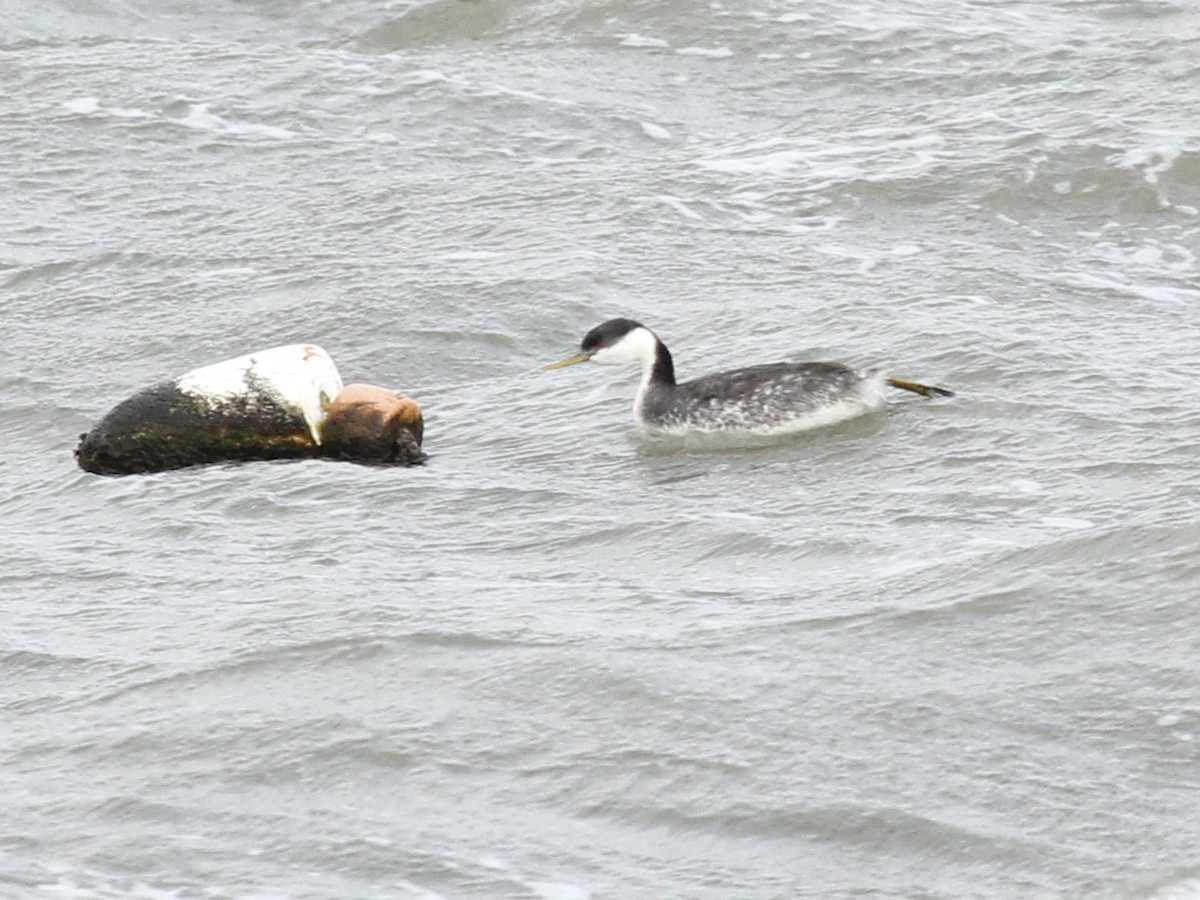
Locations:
{"points": [[658, 375], [637, 345], [661, 368]]}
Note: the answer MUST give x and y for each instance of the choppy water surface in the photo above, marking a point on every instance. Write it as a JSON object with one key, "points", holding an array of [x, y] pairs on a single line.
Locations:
{"points": [[949, 651]]}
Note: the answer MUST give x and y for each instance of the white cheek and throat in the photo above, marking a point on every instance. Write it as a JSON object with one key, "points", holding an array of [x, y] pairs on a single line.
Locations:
{"points": [[637, 346]]}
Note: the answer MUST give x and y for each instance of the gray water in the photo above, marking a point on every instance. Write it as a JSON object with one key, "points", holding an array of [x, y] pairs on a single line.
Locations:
{"points": [[947, 651]]}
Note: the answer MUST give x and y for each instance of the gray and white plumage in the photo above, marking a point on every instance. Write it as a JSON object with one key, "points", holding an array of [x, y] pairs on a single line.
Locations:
{"points": [[777, 398]]}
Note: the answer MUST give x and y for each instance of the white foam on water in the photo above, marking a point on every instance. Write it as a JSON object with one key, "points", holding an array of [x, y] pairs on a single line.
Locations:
{"points": [[655, 131], [426, 76], [642, 42], [493, 89], [90, 106], [680, 207], [1153, 292], [467, 255], [1026, 486], [1153, 159], [779, 162], [69, 889], [557, 890], [710, 52], [1186, 889], [1068, 522], [1161, 257], [199, 118], [83, 106]]}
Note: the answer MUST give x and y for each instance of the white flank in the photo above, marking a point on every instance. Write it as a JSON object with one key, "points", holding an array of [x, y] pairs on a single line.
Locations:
{"points": [[301, 377]]}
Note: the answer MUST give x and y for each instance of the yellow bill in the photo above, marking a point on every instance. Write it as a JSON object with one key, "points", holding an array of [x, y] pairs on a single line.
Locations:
{"points": [[570, 361]]}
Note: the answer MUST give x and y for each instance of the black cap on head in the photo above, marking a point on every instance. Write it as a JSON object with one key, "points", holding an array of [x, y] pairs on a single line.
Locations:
{"points": [[607, 334]]}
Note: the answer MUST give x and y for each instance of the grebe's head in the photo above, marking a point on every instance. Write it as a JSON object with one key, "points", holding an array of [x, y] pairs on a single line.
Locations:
{"points": [[614, 343]]}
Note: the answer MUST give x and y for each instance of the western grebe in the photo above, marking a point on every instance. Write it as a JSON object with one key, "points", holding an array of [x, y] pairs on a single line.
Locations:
{"points": [[777, 398]]}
